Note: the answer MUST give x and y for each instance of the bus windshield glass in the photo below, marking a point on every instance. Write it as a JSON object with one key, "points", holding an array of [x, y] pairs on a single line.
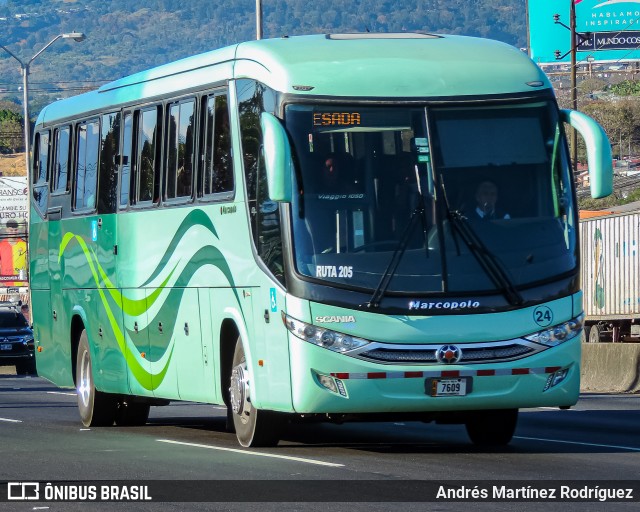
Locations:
{"points": [[448, 192]]}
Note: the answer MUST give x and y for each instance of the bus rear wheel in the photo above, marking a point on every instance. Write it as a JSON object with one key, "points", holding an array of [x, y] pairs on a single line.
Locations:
{"points": [[254, 427], [492, 428], [97, 409]]}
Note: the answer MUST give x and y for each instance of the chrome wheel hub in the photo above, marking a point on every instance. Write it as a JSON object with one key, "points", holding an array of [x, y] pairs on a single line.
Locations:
{"points": [[239, 391], [84, 382]]}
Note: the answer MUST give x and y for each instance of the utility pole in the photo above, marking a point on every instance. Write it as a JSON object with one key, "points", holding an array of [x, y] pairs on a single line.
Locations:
{"points": [[24, 67], [576, 40], [574, 86], [258, 19]]}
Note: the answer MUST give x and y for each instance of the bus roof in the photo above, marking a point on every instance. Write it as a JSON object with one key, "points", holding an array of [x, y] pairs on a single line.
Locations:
{"points": [[396, 66]]}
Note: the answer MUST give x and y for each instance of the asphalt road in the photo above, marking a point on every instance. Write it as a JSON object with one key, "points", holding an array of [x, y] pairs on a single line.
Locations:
{"points": [[42, 439]]}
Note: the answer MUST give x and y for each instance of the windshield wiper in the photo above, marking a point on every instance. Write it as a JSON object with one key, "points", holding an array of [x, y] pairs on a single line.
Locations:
{"points": [[488, 261], [418, 213]]}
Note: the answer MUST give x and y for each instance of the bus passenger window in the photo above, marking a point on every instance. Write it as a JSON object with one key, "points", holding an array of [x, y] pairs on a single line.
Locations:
{"points": [[40, 167], [146, 180], [108, 172], [180, 143], [253, 99], [125, 179], [217, 173], [88, 143], [60, 177]]}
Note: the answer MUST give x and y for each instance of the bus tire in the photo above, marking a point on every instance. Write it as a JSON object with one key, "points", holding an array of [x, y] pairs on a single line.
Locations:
{"points": [[131, 414], [254, 427], [97, 409], [492, 428]]}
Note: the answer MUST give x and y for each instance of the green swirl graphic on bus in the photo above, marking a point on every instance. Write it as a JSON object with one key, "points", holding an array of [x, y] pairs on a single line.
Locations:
{"points": [[112, 298]]}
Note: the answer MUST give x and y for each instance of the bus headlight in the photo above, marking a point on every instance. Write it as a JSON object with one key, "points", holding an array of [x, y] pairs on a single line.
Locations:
{"points": [[325, 338], [558, 334]]}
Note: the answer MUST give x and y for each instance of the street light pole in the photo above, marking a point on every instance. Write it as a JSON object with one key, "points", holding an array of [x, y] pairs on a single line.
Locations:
{"points": [[24, 67], [574, 86], [258, 19]]}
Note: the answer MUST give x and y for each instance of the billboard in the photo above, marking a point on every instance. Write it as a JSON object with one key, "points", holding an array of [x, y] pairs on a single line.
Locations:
{"points": [[14, 201], [607, 30]]}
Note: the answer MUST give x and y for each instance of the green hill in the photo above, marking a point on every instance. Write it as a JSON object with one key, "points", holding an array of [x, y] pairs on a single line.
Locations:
{"points": [[125, 36]]}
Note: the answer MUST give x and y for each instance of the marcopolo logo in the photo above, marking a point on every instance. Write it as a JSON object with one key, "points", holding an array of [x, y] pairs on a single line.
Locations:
{"points": [[224, 210], [468, 304]]}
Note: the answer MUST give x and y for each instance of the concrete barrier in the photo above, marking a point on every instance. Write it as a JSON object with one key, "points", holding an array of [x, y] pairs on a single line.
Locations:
{"points": [[610, 368]]}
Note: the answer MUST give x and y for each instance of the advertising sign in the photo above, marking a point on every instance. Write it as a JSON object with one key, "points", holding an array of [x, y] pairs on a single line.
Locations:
{"points": [[14, 201], [607, 30]]}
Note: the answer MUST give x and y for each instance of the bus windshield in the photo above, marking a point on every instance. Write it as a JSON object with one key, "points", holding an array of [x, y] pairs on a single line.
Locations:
{"points": [[465, 199]]}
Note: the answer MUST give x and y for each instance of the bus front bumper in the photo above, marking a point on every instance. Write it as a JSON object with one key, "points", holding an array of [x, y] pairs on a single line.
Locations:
{"points": [[328, 382]]}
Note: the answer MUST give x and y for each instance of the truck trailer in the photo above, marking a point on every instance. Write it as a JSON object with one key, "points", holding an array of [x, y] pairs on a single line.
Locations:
{"points": [[611, 277]]}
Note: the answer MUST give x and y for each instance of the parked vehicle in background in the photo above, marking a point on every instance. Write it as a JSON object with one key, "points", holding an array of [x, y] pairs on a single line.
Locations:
{"points": [[611, 277], [16, 340]]}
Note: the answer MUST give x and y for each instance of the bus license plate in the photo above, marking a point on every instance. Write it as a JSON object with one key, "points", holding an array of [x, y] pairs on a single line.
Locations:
{"points": [[449, 387], [6, 346]]}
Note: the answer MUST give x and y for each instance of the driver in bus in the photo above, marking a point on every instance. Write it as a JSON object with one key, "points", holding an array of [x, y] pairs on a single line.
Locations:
{"points": [[486, 199], [338, 174]]}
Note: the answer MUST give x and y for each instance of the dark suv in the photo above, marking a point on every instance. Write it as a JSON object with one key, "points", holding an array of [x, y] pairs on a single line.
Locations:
{"points": [[16, 340]]}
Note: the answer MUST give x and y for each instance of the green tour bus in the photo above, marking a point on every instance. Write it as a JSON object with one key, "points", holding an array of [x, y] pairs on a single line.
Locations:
{"points": [[337, 227]]}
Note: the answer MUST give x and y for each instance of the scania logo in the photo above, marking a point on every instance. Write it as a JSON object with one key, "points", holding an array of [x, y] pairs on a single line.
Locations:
{"points": [[448, 354], [342, 319]]}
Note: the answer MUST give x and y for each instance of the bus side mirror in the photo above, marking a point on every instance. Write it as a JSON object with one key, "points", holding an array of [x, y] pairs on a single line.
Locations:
{"points": [[277, 158], [599, 157]]}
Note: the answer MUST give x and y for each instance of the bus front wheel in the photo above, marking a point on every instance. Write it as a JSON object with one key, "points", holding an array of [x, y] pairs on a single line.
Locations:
{"points": [[96, 408], [254, 427], [492, 428]]}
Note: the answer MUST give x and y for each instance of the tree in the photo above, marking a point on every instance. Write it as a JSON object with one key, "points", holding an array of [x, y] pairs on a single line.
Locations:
{"points": [[11, 132], [626, 88], [620, 120], [591, 85]]}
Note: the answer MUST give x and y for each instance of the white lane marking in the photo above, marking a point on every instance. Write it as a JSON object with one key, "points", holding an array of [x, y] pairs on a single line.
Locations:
{"points": [[631, 448], [61, 393], [9, 420], [249, 452]]}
